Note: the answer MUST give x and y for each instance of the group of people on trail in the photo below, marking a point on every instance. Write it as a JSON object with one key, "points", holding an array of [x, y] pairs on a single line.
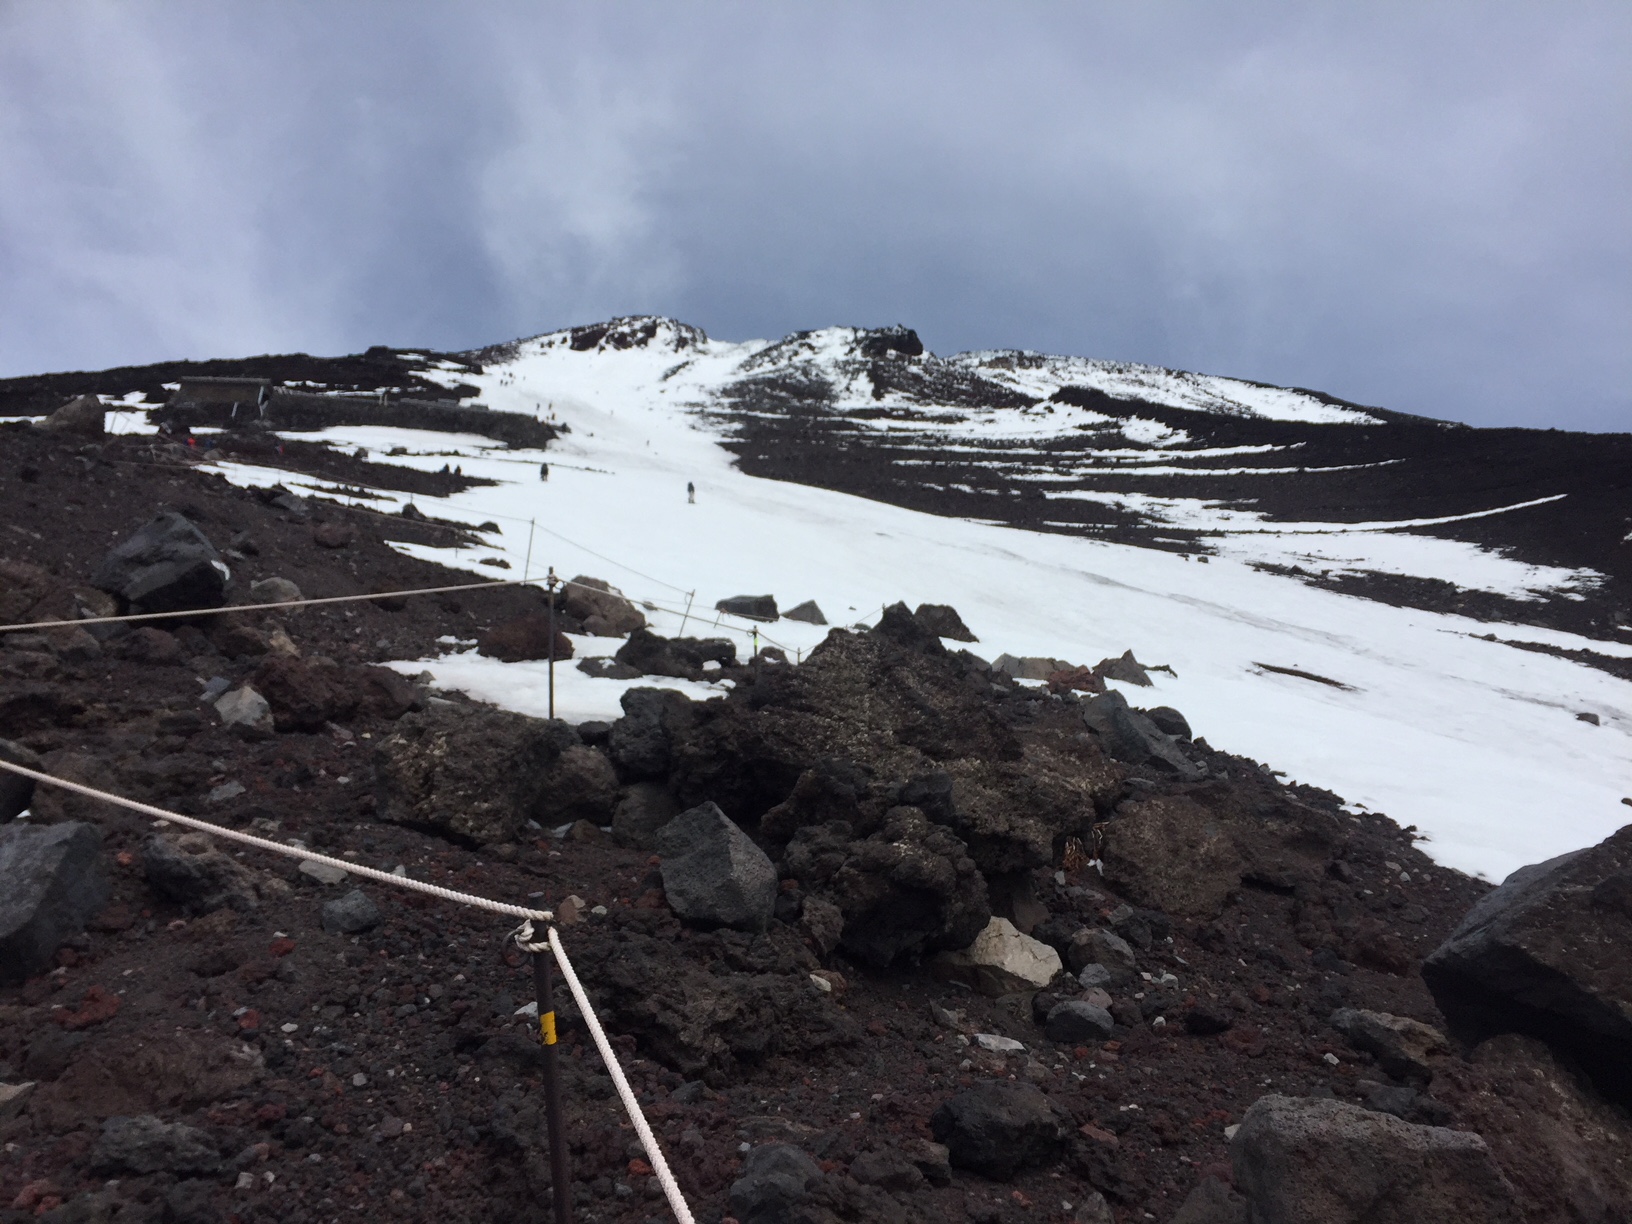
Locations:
{"points": [[691, 489]]}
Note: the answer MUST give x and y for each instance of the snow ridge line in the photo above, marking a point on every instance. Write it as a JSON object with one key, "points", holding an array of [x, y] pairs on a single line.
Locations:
{"points": [[631, 1106], [305, 856]]}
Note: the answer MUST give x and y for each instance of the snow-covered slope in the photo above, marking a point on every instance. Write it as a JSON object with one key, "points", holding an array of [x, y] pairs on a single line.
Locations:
{"points": [[1475, 743]]}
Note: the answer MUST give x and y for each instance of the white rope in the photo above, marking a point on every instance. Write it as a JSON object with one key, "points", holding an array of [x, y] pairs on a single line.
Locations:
{"points": [[660, 1166], [306, 856], [261, 607]]}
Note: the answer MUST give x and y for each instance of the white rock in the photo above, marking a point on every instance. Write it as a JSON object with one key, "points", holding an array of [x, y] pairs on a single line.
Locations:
{"points": [[997, 1044], [244, 707], [322, 872], [1001, 961], [12, 1099], [821, 984]]}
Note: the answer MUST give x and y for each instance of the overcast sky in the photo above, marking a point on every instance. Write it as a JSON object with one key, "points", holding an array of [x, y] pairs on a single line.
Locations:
{"points": [[1417, 205]]}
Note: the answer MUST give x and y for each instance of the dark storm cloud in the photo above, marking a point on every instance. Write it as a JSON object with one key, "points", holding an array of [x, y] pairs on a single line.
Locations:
{"points": [[1420, 206]]}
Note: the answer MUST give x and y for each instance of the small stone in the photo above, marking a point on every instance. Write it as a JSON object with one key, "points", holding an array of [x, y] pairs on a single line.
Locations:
{"points": [[275, 590], [227, 790], [245, 710], [323, 873], [351, 914], [1076, 1021], [996, 1044], [359, 1080]]}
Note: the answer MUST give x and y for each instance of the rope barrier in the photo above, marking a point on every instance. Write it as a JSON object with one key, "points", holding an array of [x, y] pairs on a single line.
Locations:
{"points": [[631, 1106], [261, 843]]}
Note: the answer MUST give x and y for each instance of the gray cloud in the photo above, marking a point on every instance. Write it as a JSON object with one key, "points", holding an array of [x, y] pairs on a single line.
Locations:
{"points": [[1414, 205]]}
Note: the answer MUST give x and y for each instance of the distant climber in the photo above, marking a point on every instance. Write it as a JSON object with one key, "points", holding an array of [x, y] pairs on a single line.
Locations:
{"points": [[691, 494], [543, 471]]}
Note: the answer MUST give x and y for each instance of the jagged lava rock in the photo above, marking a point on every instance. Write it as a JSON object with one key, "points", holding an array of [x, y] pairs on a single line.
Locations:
{"points": [[644, 808], [580, 785], [522, 638], [775, 1178], [1403, 1047], [145, 1144], [1131, 736], [472, 773], [1316, 1161], [998, 1127], [683, 658], [51, 883], [1547, 953], [351, 914], [807, 613], [754, 607], [944, 622], [190, 871], [641, 742], [601, 607], [1076, 1021], [166, 566], [713, 873]]}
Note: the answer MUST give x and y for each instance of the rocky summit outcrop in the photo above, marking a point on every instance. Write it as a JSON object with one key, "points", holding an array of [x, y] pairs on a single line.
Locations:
{"points": [[1302, 1161], [1547, 954], [169, 565]]}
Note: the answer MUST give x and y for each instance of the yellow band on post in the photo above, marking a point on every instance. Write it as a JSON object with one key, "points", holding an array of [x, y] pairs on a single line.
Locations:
{"points": [[546, 1027]]}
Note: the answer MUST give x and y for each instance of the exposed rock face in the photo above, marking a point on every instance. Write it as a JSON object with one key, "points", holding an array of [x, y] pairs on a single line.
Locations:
{"points": [[1546, 954], [581, 785], [1001, 961], [909, 888], [713, 873], [652, 655], [1303, 1160], [601, 607], [166, 566], [754, 607], [51, 883], [998, 1128], [1185, 854], [84, 417], [474, 773], [522, 638]]}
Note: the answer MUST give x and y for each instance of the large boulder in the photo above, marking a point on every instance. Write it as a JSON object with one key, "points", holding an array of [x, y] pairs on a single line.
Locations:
{"points": [[1303, 1160], [1130, 736], [166, 566], [1125, 668], [522, 638], [600, 607], [1000, 961], [908, 889], [754, 607], [84, 417], [652, 655], [51, 883], [998, 1128], [190, 871], [471, 773], [808, 613], [641, 742], [644, 808], [943, 621], [713, 873], [1546, 954], [775, 1178]]}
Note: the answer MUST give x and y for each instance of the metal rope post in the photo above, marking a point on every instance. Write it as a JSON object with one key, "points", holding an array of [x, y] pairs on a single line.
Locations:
{"points": [[543, 978], [527, 567], [684, 616], [550, 586]]}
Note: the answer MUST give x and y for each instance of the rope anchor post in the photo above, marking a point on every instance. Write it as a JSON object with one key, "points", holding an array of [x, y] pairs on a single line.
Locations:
{"points": [[544, 981], [550, 584]]}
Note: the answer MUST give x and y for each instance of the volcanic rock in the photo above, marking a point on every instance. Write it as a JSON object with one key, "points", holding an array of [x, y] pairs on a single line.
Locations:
{"points": [[909, 888], [998, 1128], [1130, 736], [1075, 1021], [713, 873], [754, 607], [775, 1178], [943, 621], [644, 809], [146, 644], [1211, 1202], [84, 417], [244, 708], [166, 566], [807, 612], [1125, 668], [145, 1144], [274, 590], [1546, 954], [1097, 946], [1029, 668], [601, 607], [580, 785], [1403, 1047], [651, 655], [472, 773], [641, 741], [190, 871], [51, 883], [1000, 961], [1311, 1159], [522, 638], [351, 914]]}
